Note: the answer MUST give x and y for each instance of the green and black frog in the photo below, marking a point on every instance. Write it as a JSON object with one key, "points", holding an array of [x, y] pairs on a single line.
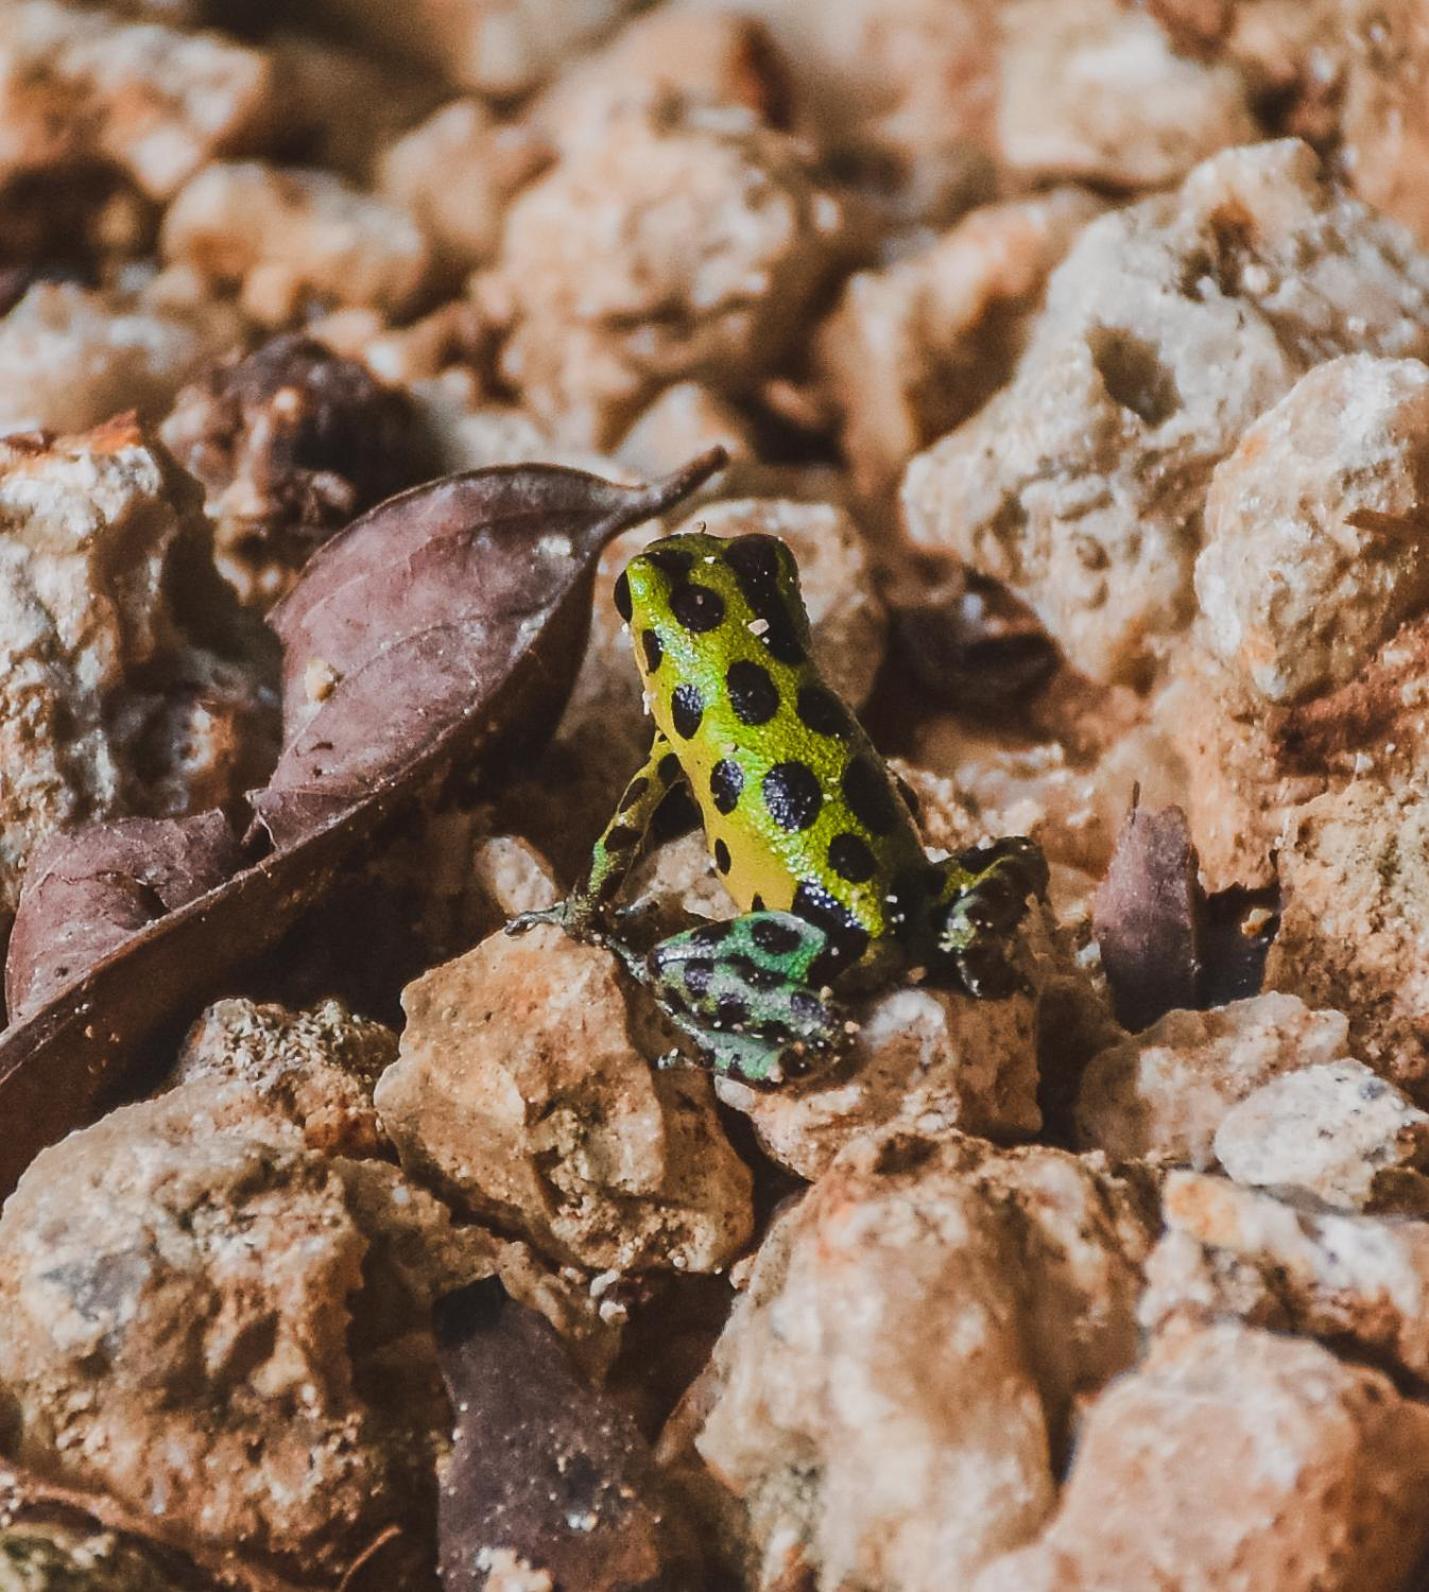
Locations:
{"points": [[810, 832]]}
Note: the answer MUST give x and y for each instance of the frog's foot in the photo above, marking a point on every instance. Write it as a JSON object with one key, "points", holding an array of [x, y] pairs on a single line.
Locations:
{"points": [[986, 899], [579, 917], [747, 993]]}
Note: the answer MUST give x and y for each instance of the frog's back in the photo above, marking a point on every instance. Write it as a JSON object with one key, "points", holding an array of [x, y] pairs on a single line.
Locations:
{"points": [[800, 813]]}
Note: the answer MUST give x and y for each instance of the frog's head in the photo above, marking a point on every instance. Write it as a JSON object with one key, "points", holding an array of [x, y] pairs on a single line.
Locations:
{"points": [[702, 600]]}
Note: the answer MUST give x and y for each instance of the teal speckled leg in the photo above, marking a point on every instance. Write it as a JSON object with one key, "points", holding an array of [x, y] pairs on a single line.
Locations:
{"points": [[616, 851], [749, 993], [983, 899]]}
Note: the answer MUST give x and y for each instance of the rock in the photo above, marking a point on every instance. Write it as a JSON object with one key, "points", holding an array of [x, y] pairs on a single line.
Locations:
{"points": [[1353, 934], [128, 687], [1163, 1093], [316, 1068], [70, 357], [932, 1060], [707, 238], [520, 1094], [1316, 549], [900, 95], [1057, 118], [287, 237], [227, 1334], [1335, 1131], [894, 1388], [1361, 1282], [1235, 1460], [715, 56], [1169, 328], [80, 86], [917, 347], [456, 174], [495, 47], [683, 421]]}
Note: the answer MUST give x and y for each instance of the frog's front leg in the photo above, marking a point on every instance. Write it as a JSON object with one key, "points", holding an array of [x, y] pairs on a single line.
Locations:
{"points": [[982, 899], [749, 992], [617, 850]]}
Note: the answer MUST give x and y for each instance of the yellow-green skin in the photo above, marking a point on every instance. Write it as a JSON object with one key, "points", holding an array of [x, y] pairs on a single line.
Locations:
{"points": [[765, 710], [806, 826]]}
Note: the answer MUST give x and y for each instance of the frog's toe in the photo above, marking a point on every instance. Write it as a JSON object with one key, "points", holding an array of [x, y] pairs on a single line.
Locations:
{"points": [[575, 917]]}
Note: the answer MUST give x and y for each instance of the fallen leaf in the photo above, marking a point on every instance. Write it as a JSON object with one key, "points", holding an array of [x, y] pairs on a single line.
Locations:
{"points": [[407, 629], [545, 1470], [414, 695], [1146, 918], [89, 890], [1164, 942]]}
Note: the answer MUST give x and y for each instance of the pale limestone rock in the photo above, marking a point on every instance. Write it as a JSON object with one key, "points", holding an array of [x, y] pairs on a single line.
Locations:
{"points": [[1317, 546], [1163, 1093], [1384, 112], [721, 57], [519, 1092], [229, 1294], [1168, 329], [119, 693], [1359, 1281], [1093, 91], [1354, 868], [513, 875], [456, 173], [317, 1067], [704, 237], [1232, 777], [1350, 74], [285, 236], [916, 347], [1073, 805], [684, 420], [1236, 1461], [78, 85], [893, 1390], [902, 92], [1335, 1131], [71, 356], [497, 47], [468, 432]]}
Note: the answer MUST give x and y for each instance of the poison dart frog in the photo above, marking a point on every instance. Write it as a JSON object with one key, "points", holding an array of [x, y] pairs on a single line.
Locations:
{"points": [[809, 831]]}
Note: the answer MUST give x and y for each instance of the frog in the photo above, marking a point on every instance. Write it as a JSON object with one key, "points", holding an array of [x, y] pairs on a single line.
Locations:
{"points": [[813, 836]]}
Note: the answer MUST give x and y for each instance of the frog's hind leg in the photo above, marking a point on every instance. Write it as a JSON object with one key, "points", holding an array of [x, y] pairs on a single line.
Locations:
{"points": [[982, 899], [618, 848], [749, 993]]}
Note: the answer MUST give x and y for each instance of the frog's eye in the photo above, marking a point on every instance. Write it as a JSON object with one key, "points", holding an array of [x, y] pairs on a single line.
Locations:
{"points": [[675, 562], [768, 579], [758, 560]]}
